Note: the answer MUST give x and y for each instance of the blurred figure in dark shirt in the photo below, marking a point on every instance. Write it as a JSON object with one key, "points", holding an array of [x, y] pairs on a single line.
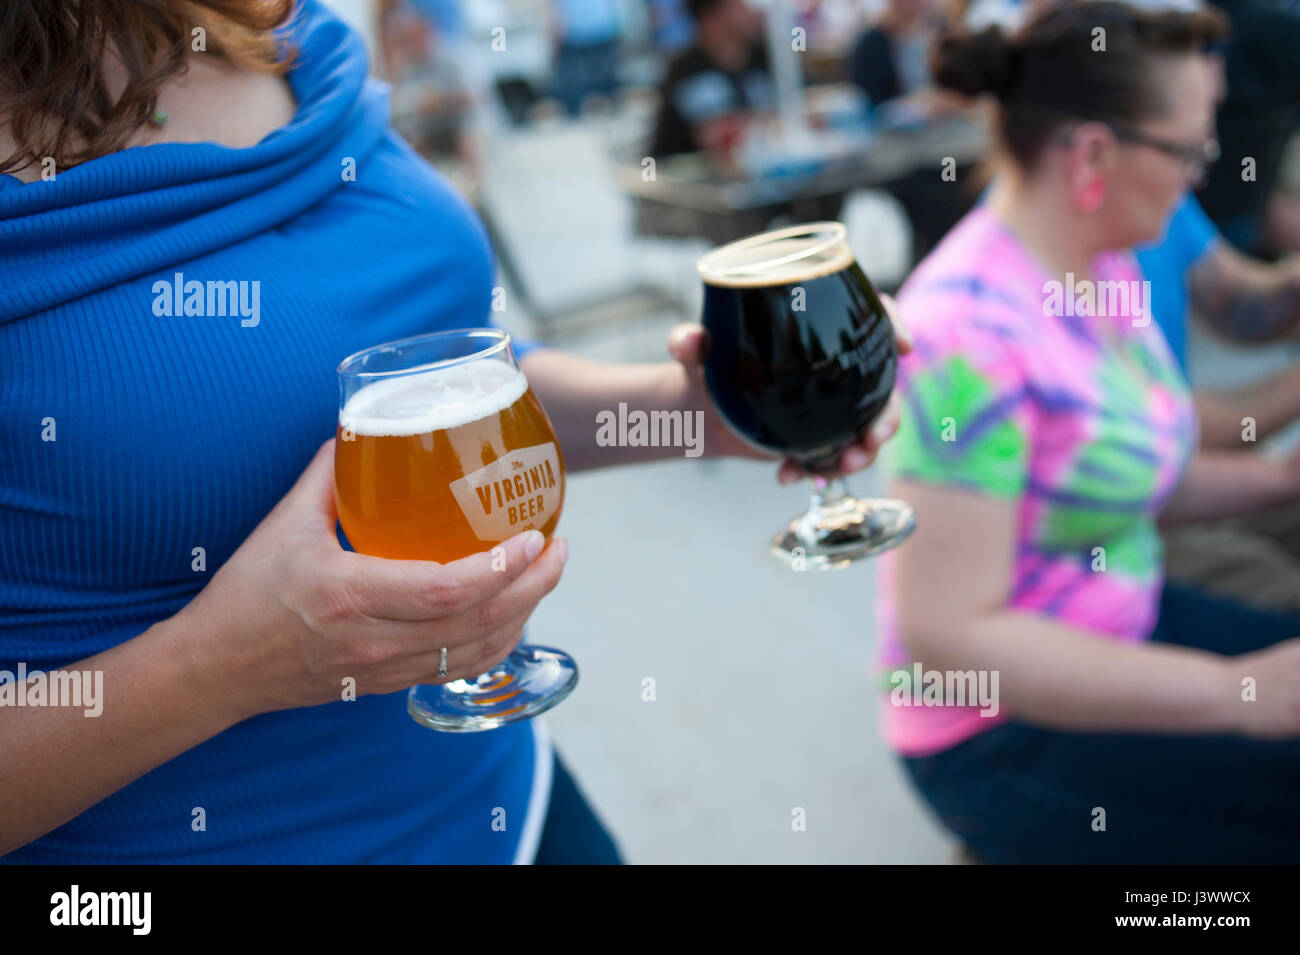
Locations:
{"points": [[889, 61], [714, 86], [587, 35], [1256, 121], [671, 25], [890, 65]]}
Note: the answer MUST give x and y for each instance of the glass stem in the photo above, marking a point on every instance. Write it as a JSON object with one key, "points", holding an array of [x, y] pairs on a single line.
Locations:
{"points": [[828, 495], [827, 492]]}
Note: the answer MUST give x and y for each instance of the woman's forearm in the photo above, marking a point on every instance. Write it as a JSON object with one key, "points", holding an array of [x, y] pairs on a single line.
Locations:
{"points": [[1228, 484], [1056, 675], [602, 412], [56, 762], [1269, 405], [955, 579]]}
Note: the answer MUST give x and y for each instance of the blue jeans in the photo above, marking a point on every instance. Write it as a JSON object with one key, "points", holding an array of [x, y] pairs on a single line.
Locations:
{"points": [[581, 70], [1021, 794], [572, 834]]}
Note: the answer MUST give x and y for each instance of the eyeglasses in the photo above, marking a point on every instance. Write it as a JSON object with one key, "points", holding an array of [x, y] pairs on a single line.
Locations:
{"points": [[1196, 159]]}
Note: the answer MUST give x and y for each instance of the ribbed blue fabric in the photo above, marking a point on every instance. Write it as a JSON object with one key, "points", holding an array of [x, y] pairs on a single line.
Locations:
{"points": [[180, 431]]}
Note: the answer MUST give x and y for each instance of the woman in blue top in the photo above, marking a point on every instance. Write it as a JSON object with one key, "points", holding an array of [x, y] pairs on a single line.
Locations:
{"points": [[145, 450]]}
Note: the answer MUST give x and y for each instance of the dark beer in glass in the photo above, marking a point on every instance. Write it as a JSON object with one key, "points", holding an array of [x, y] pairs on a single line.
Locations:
{"points": [[800, 361]]}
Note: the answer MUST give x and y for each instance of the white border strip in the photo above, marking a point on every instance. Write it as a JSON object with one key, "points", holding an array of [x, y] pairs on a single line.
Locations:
{"points": [[539, 799]]}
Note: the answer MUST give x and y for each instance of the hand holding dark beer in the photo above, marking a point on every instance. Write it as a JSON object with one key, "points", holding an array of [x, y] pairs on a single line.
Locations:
{"points": [[688, 343], [298, 615], [800, 362]]}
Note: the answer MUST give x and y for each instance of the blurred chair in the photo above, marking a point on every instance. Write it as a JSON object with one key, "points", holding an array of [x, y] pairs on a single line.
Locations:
{"points": [[563, 232]]}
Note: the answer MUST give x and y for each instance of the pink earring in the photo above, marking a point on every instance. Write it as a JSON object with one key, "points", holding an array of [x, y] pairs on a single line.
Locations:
{"points": [[1092, 195]]}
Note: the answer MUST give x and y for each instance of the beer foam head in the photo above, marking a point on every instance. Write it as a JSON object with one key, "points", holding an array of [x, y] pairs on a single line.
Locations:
{"points": [[433, 400], [784, 257]]}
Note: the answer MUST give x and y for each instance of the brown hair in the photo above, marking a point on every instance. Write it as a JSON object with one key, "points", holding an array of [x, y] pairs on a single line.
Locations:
{"points": [[53, 91], [1048, 72]]}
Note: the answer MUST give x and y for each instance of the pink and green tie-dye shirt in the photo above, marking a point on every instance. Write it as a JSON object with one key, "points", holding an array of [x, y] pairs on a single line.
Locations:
{"points": [[1083, 420]]}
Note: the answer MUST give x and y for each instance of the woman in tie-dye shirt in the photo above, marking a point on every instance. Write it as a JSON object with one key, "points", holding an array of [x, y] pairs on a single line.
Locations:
{"points": [[1031, 671]]}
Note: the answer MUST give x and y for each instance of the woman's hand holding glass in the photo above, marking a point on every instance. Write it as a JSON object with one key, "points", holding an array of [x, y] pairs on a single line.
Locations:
{"points": [[300, 620]]}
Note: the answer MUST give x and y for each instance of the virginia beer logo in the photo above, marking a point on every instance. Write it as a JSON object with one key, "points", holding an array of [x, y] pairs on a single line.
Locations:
{"points": [[518, 491]]}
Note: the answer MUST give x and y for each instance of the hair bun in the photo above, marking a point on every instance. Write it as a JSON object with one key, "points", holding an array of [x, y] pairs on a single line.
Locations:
{"points": [[975, 63]]}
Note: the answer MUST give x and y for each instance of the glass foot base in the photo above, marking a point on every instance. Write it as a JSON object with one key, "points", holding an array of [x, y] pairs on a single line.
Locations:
{"points": [[848, 529], [530, 681]]}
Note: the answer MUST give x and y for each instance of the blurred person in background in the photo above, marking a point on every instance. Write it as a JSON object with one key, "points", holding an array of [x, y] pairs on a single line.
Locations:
{"points": [[1256, 558], [587, 34], [1042, 441], [671, 25], [714, 88], [422, 45], [889, 62], [1256, 121], [889, 65], [831, 27], [1193, 270], [139, 436]]}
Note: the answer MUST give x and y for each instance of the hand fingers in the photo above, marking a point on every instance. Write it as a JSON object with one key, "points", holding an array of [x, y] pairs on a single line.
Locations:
{"points": [[862, 453], [686, 344], [520, 599], [885, 426], [425, 590], [901, 335], [483, 638], [474, 659], [855, 458]]}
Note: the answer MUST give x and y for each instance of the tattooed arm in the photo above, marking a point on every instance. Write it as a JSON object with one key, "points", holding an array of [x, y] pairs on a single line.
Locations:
{"points": [[1244, 299]]}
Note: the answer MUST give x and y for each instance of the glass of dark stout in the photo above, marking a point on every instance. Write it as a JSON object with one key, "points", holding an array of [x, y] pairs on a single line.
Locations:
{"points": [[800, 360]]}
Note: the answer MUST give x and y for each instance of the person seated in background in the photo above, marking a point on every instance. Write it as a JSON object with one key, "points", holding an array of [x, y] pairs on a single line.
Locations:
{"points": [[889, 63], [714, 87], [1254, 559], [421, 43], [1256, 120], [671, 25], [1044, 436], [586, 34]]}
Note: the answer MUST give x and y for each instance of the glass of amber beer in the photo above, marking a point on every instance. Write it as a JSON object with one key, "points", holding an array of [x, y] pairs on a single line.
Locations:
{"points": [[444, 451]]}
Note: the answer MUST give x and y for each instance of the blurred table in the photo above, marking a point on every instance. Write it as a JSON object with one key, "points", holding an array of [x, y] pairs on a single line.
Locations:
{"points": [[686, 196]]}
